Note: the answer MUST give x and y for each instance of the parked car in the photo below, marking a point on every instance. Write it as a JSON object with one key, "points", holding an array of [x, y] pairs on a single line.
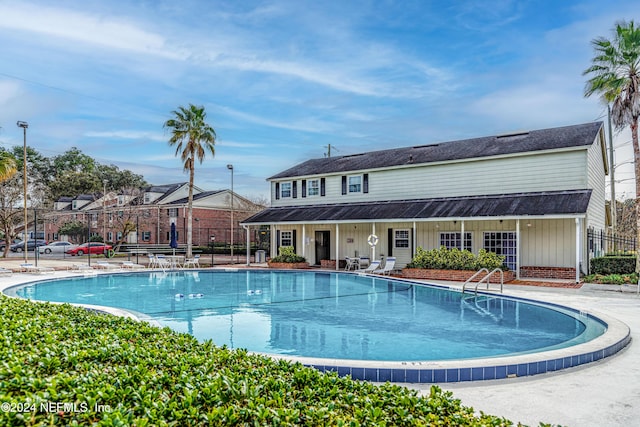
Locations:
{"points": [[31, 245], [56, 247], [92, 247], [3, 243]]}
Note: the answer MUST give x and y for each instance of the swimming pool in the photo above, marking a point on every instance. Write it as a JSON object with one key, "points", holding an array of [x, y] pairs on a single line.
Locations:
{"points": [[326, 316]]}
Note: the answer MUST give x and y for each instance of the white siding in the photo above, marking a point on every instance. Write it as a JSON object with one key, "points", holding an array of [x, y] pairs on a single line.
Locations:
{"points": [[549, 171], [596, 181], [548, 243]]}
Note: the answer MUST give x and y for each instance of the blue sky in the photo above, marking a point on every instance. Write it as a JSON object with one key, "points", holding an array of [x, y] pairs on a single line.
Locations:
{"points": [[281, 80]]}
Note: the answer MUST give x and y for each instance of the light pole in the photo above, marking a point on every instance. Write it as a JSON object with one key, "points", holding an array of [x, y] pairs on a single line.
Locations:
{"points": [[24, 126], [104, 211], [230, 167]]}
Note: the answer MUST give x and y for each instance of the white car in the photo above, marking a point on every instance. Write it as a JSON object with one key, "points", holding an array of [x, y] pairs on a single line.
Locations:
{"points": [[56, 247]]}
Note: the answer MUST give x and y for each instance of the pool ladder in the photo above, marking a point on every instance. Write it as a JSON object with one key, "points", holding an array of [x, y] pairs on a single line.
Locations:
{"points": [[484, 279]]}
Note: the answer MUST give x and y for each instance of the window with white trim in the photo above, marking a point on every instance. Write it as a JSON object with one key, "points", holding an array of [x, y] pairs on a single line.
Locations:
{"points": [[285, 190], [453, 239], [401, 238], [172, 212], [355, 183], [313, 187], [502, 243], [286, 238], [146, 236]]}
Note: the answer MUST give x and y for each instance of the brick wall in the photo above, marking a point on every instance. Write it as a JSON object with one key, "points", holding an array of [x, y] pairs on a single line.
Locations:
{"points": [[452, 275], [548, 272]]}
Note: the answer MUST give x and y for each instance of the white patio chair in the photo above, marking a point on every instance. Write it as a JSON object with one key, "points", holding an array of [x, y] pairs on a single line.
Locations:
{"points": [[30, 268], [153, 262], [351, 263], [375, 265], [131, 265], [162, 262], [104, 265], [389, 266], [5, 272], [192, 262]]}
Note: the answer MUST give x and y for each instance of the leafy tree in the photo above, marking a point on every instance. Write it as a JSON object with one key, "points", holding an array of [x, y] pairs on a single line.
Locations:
{"points": [[119, 179], [7, 165], [74, 183], [74, 229], [615, 77], [73, 160], [10, 211], [192, 137]]}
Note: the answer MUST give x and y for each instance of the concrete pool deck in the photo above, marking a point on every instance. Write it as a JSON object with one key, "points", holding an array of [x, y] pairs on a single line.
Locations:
{"points": [[602, 393]]}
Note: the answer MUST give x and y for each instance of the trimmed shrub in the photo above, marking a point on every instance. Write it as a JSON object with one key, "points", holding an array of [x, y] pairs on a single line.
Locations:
{"points": [[63, 365], [613, 265], [287, 254], [456, 259]]}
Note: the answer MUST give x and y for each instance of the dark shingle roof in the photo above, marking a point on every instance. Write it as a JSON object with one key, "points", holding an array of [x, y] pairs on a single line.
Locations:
{"points": [[537, 140], [571, 202]]}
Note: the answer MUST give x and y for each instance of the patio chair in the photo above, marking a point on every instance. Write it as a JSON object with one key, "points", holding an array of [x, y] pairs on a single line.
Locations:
{"points": [[153, 262], [162, 262], [131, 265], [192, 262], [104, 265], [30, 268], [364, 262], [389, 266], [351, 263], [5, 272], [375, 265]]}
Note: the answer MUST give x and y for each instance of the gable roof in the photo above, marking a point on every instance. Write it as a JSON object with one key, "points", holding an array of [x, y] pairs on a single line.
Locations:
{"points": [[570, 202], [536, 140]]}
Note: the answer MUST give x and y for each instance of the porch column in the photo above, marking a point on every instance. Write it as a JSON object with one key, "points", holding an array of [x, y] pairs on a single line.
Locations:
{"points": [[415, 236], [274, 241], [518, 248], [337, 247], [373, 248], [462, 235], [304, 240], [577, 250], [248, 231]]}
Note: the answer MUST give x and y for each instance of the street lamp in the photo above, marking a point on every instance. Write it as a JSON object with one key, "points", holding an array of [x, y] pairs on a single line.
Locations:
{"points": [[230, 167], [104, 210], [24, 126]]}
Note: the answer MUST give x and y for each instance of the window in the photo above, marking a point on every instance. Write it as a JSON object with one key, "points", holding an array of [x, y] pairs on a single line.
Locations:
{"points": [[286, 238], [285, 189], [109, 236], [313, 187], [502, 243], [147, 198], [173, 212], [355, 184], [146, 236], [119, 235], [120, 214], [401, 238], [451, 240]]}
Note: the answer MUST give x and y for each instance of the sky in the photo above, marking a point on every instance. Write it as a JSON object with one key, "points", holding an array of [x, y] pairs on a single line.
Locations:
{"points": [[283, 80]]}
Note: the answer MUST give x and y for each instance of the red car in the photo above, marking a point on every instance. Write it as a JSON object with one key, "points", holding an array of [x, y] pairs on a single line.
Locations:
{"points": [[93, 247]]}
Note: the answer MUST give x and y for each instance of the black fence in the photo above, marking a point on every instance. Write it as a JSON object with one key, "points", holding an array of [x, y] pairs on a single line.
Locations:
{"points": [[601, 243]]}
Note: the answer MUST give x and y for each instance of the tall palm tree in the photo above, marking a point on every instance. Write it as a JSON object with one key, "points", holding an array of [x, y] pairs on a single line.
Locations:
{"points": [[7, 166], [615, 76], [193, 137]]}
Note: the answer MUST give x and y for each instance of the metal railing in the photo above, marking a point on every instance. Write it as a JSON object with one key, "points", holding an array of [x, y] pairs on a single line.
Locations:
{"points": [[485, 278]]}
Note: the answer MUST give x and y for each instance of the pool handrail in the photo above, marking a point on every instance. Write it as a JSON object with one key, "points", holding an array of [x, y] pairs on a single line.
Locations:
{"points": [[464, 285]]}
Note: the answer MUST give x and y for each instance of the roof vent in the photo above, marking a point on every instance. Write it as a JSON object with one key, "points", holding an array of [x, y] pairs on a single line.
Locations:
{"points": [[511, 134], [425, 146]]}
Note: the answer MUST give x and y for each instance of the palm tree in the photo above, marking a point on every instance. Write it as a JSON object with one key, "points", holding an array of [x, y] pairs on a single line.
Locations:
{"points": [[615, 76], [7, 166], [193, 137]]}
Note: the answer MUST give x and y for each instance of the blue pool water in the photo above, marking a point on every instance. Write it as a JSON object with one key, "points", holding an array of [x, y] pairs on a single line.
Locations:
{"points": [[328, 315]]}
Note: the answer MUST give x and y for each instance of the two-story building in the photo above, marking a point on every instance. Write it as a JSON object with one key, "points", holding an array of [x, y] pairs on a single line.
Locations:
{"points": [[530, 196], [144, 216]]}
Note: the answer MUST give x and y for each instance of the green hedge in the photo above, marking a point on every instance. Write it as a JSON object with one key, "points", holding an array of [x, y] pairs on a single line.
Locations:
{"points": [[456, 259], [288, 254], [613, 265], [120, 372]]}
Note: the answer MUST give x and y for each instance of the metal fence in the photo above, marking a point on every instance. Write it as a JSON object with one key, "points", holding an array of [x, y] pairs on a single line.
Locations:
{"points": [[601, 243]]}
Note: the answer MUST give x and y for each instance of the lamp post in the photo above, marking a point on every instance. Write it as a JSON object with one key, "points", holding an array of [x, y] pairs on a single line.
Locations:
{"points": [[24, 126], [230, 167], [104, 210]]}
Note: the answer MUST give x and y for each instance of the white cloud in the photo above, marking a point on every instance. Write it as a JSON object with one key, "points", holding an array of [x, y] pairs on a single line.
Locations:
{"points": [[84, 29], [127, 134]]}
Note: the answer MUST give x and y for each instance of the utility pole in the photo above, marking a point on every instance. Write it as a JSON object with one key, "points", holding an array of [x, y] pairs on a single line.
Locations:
{"points": [[612, 167], [328, 153]]}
